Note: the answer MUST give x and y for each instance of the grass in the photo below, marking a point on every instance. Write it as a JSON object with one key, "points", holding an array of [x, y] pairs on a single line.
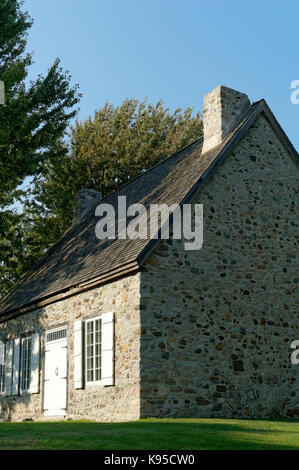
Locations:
{"points": [[152, 434]]}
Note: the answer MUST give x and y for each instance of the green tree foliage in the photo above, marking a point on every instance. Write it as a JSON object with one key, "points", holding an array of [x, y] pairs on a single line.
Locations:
{"points": [[111, 149], [32, 124], [104, 152]]}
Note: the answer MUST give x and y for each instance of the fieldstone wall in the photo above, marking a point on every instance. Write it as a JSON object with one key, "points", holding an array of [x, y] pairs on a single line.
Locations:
{"points": [[217, 323], [114, 403]]}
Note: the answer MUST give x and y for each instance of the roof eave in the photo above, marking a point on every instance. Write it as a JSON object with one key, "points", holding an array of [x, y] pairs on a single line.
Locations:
{"points": [[125, 270]]}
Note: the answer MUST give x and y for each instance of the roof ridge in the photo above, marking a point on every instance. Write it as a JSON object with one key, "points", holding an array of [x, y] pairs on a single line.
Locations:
{"points": [[149, 169]]}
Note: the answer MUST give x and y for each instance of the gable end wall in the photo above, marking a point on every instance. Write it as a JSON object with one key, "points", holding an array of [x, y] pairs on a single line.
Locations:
{"points": [[217, 323]]}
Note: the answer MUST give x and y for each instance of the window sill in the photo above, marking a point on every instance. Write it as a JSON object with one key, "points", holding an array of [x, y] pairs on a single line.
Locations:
{"points": [[99, 385]]}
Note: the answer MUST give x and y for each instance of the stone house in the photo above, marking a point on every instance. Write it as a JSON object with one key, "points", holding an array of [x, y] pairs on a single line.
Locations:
{"points": [[124, 329]]}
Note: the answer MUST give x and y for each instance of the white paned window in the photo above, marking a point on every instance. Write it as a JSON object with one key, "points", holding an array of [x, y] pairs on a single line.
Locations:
{"points": [[26, 363], [93, 342], [2, 367]]}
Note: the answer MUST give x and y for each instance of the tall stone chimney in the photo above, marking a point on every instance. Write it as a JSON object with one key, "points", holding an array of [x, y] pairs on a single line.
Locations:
{"points": [[84, 199], [223, 109]]}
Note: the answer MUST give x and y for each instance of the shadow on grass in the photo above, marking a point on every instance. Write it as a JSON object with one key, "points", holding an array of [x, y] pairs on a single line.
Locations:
{"points": [[152, 435]]}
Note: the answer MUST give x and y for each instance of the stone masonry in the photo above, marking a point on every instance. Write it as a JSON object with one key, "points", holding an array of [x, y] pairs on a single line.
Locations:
{"points": [[113, 403], [84, 198], [217, 323], [223, 109]]}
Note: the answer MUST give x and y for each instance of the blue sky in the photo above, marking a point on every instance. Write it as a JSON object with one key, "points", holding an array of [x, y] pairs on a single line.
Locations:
{"points": [[171, 49]]}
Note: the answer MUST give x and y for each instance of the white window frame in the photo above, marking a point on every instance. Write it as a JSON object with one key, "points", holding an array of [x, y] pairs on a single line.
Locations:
{"points": [[90, 383], [28, 364]]}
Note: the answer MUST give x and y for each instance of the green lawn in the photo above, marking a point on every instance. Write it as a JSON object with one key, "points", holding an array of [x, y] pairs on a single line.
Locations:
{"points": [[167, 434]]}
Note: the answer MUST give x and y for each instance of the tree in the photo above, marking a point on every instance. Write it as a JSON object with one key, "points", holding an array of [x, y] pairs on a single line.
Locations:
{"points": [[104, 153], [32, 125], [109, 150]]}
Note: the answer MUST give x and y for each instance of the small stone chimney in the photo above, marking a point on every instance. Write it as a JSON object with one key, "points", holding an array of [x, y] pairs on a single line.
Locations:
{"points": [[84, 199], [223, 109]]}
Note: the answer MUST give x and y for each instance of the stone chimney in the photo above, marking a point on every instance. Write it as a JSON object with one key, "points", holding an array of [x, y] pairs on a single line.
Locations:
{"points": [[223, 109], [84, 200]]}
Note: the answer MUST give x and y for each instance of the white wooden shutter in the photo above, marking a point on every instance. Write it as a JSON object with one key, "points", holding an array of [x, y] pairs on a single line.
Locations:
{"points": [[107, 348], [34, 377], [16, 367], [8, 367], [2, 351], [78, 356]]}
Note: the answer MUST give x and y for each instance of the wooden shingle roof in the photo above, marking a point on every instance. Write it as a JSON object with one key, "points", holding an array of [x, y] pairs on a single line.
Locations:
{"points": [[78, 259]]}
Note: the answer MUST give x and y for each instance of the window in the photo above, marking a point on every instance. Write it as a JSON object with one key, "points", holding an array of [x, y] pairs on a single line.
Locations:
{"points": [[20, 365], [2, 367], [93, 350], [26, 363], [93, 355]]}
